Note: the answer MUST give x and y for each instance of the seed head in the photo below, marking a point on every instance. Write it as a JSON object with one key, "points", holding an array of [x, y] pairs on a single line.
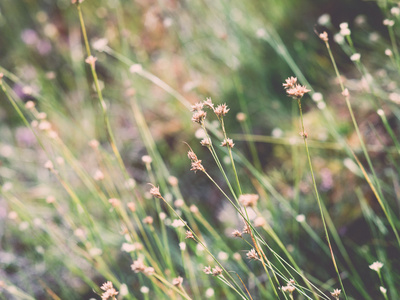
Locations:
{"points": [[148, 220], [207, 270], [227, 143], [199, 116], [290, 82], [208, 103], [155, 192], [237, 233], [197, 106], [221, 110], [336, 293], [106, 286], [91, 60], [197, 166], [189, 235], [138, 266], [252, 254], [205, 142], [192, 156], [297, 91], [216, 271], [177, 281]]}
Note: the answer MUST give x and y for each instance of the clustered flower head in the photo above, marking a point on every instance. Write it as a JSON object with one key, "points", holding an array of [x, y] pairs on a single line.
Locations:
{"points": [[289, 288], [248, 199], [177, 281], [91, 60], [252, 254], [109, 291], [227, 143], [237, 233], [196, 163], [199, 116], [215, 271], [293, 89], [324, 36], [336, 293], [189, 235], [155, 192], [138, 266], [221, 110]]}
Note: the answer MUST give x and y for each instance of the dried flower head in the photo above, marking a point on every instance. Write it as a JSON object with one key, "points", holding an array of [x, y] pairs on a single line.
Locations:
{"points": [[297, 91], [177, 281], [221, 110], [199, 116], [208, 103], [138, 266], [197, 106], [246, 229], [197, 166], [248, 199], [207, 270], [376, 266], [109, 294], [106, 286], [216, 271], [336, 293], [227, 143], [252, 254], [237, 233], [288, 289], [155, 192], [192, 156], [205, 142], [324, 36], [290, 82], [189, 235]]}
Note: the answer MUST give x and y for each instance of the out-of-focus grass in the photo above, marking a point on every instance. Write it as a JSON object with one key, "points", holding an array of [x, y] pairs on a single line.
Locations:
{"points": [[60, 234]]}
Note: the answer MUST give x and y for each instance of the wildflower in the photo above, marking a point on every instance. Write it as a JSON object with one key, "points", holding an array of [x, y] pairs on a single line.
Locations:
{"points": [[179, 203], [136, 68], [192, 156], [227, 143], [344, 29], [376, 266], [207, 270], [131, 206], [148, 220], [98, 175], [114, 202], [216, 271], [297, 91], [173, 181], [49, 165], [194, 209], [155, 192], [208, 103], [288, 288], [221, 110], [144, 289], [252, 254], [91, 60], [29, 105], [388, 52], [205, 142], [109, 294], [355, 57], [126, 247], [197, 106], [106, 286], [223, 255], [324, 36], [346, 93], [177, 281], [237, 233], [248, 199], [300, 218], [189, 235], [290, 82], [324, 20], [178, 223], [383, 290], [209, 293], [138, 266], [199, 116], [147, 159], [336, 293], [94, 144], [246, 229], [388, 22], [197, 166], [241, 117]]}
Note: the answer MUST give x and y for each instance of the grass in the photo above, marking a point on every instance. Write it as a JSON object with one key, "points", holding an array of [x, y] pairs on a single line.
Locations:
{"points": [[106, 108]]}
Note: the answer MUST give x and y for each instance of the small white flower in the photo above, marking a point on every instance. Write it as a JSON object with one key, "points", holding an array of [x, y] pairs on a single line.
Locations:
{"points": [[388, 22], [324, 20], [209, 292], [376, 266], [355, 57], [128, 247], [144, 289], [300, 218], [388, 52], [182, 246], [395, 11], [178, 223], [338, 38], [383, 290], [136, 68], [317, 97]]}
